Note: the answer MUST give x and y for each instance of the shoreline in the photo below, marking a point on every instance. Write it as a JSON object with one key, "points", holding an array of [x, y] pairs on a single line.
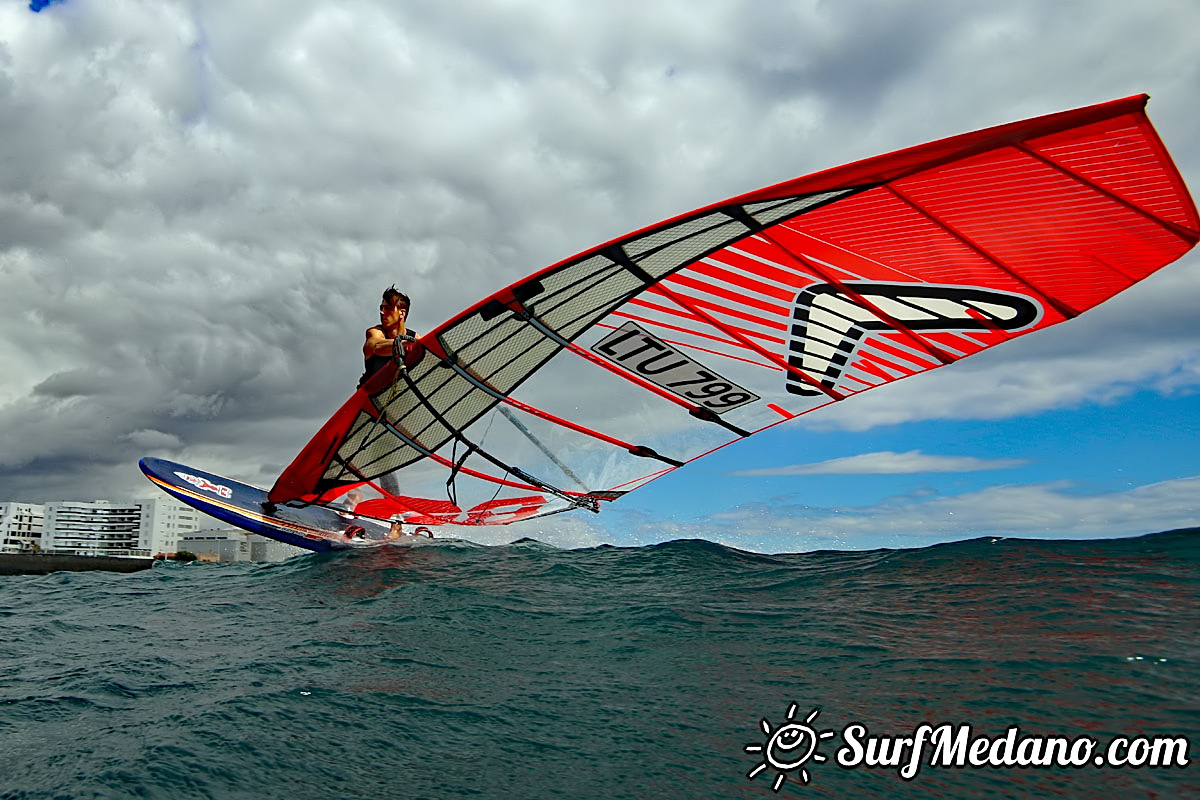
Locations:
{"points": [[45, 563]]}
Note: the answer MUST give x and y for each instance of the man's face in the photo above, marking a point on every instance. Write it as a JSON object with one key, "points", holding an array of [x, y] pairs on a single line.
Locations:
{"points": [[393, 314]]}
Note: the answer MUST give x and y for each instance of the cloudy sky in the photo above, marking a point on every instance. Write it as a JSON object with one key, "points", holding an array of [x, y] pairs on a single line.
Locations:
{"points": [[200, 203]]}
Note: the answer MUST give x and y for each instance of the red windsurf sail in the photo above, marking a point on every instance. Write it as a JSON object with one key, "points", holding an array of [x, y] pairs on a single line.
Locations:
{"points": [[624, 362]]}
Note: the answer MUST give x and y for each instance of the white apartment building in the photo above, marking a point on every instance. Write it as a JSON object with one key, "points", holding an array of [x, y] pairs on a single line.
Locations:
{"points": [[99, 528], [167, 521], [104, 528], [20, 526]]}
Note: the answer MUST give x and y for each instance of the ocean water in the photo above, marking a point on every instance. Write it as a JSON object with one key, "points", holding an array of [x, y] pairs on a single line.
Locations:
{"points": [[523, 671]]}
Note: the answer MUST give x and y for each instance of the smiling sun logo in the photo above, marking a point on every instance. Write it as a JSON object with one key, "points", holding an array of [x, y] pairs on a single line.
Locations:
{"points": [[788, 747]]}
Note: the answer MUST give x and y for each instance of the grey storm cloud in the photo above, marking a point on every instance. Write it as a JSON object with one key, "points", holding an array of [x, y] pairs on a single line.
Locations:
{"points": [[200, 203]]}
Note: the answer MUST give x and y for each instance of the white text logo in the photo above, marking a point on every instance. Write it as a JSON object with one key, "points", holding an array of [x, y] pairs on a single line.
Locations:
{"points": [[206, 485]]}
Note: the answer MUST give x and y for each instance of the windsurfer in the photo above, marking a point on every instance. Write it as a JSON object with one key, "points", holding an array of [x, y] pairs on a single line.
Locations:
{"points": [[386, 341]]}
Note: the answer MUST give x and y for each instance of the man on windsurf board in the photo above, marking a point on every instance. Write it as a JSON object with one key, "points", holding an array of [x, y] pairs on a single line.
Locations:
{"points": [[386, 341]]}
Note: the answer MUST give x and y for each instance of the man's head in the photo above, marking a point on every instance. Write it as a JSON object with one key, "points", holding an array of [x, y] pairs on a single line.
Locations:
{"points": [[393, 310]]}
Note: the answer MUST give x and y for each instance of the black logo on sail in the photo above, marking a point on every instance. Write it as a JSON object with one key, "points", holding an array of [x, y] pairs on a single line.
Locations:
{"points": [[831, 323]]}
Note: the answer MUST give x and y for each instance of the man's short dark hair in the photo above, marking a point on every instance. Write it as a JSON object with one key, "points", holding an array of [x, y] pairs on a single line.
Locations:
{"points": [[393, 296]]}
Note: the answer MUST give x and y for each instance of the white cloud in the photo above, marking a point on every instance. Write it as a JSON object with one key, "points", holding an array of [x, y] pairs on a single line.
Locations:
{"points": [[888, 463]]}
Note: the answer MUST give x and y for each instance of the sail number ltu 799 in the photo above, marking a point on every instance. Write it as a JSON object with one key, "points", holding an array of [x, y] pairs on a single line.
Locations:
{"points": [[658, 362]]}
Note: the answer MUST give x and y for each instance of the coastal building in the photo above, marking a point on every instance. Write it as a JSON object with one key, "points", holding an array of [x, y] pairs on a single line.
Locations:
{"points": [[229, 545], [166, 521], [98, 528], [20, 526], [104, 528]]}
